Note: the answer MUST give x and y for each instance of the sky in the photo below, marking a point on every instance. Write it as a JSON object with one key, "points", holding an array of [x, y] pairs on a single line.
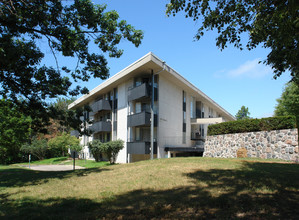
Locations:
{"points": [[230, 77]]}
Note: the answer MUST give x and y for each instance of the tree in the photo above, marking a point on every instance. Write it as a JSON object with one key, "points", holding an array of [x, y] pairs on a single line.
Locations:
{"points": [[243, 113], [288, 103], [38, 148], [68, 30], [272, 23], [15, 129], [59, 145], [62, 122]]}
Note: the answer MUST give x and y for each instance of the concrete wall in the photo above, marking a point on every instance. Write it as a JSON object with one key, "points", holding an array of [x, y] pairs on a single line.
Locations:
{"points": [[278, 144], [170, 119], [122, 119]]}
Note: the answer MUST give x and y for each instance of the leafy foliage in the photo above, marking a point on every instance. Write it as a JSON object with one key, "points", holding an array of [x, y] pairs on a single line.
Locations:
{"points": [[38, 148], [112, 148], [77, 148], [14, 131], [68, 29], [251, 125], [272, 23], [243, 113], [96, 148], [59, 145], [288, 103]]}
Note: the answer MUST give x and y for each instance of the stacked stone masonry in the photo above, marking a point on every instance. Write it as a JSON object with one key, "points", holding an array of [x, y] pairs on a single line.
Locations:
{"points": [[277, 144]]}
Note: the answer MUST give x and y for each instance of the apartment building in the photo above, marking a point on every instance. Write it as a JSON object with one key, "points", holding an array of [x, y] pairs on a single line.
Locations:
{"points": [[150, 106]]}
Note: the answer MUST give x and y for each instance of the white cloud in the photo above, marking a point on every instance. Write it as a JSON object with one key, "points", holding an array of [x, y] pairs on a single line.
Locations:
{"points": [[250, 69]]}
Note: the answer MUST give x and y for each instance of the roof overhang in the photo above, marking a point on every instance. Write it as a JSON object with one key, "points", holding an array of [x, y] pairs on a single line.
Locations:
{"points": [[200, 121], [147, 64]]}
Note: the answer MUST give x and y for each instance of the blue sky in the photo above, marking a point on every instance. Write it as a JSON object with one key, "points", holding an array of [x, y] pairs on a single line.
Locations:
{"points": [[230, 77]]}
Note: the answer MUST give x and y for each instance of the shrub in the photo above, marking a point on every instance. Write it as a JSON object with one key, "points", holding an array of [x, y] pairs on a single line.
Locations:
{"points": [[112, 148], [96, 148], [59, 145], [251, 125], [37, 148], [77, 148]]}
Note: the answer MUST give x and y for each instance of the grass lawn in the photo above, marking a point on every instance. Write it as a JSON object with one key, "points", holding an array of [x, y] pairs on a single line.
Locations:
{"points": [[56, 160], [176, 188], [87, 163]]}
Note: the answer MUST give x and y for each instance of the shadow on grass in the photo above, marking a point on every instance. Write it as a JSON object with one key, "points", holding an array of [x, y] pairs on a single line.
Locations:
{"points": [[60, 159], [16, 177], [255, 191]]}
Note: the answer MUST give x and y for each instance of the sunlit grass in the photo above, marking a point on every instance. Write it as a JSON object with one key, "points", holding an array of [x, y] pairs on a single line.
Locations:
{"points": [[87, 163], [55, 160], [173, 188]]}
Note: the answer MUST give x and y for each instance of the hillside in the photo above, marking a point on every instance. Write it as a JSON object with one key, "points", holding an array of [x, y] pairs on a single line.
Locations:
{"points": [[168, 188]]}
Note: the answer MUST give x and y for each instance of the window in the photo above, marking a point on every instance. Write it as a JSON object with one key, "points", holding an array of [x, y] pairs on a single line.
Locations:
{"points": [[115, 93], [137, 107], [137, 134], [184, 138], [184, 118], [184, 97]]}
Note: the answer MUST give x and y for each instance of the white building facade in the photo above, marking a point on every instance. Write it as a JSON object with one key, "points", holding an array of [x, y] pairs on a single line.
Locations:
{"points": [[149, 106]]}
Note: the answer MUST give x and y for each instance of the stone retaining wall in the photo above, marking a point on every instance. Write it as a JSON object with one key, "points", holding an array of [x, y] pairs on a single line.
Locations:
{"points": [[278, 144]]}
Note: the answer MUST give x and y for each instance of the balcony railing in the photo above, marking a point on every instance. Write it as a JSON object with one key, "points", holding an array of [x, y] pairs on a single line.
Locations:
{"points": [[139, 92], [141, 119], [101, 105], [101, 126], [141, 147]]}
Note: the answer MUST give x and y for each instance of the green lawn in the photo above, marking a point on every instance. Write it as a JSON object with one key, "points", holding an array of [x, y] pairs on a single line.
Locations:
{"points": [[87, 163], [176, 188], [56, 160]]}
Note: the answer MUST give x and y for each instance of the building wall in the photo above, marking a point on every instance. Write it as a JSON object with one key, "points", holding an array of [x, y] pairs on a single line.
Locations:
{"points": [[170, 120], [122, 113], [278, 144]]}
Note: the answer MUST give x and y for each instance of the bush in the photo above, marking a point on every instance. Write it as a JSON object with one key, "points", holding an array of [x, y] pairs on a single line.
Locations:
{"points": [[110, 148], [252, 125], [38, 148], [96, 148], [59, 145]]}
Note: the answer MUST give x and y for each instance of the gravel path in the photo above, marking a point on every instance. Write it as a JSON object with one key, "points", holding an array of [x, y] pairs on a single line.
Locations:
{"points": [[54, 167]]}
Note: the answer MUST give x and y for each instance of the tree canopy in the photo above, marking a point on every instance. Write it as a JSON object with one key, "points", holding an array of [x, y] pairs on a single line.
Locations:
{"points": [[272, 23], [67, 29], [243, 113], [288, 103], [15, 129]]}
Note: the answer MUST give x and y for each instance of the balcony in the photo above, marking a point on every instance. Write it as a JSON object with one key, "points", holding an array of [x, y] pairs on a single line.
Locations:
{"points": [[139, 92], [101, 105], [141, 147], [101, 126], [197, 136], [141, 119]]}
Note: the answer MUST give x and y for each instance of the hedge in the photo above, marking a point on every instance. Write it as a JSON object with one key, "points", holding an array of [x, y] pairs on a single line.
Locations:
{"points": [[251, 125]]}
